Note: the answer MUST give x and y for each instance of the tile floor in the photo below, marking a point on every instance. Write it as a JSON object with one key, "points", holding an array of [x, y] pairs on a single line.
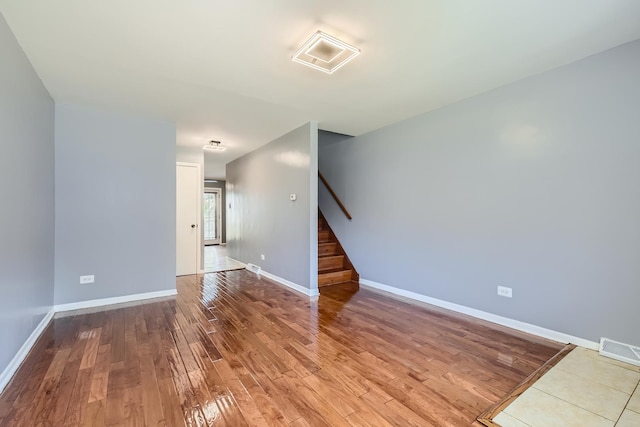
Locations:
{"points": [[584, 389], [216, 259]]}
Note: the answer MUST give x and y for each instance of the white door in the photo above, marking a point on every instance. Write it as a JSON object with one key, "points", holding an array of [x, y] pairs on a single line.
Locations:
{"points": [[188, 191]]}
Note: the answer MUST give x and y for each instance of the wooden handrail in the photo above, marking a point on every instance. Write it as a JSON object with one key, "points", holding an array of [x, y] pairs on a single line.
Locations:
{"points": [[335, 196]]}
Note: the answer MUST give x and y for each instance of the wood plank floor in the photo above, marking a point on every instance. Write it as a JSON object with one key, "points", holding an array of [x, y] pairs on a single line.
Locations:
{"points": [[233, 349]]}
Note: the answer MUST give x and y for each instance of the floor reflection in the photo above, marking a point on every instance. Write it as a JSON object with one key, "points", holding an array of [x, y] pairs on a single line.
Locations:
{"points": [[235, 349], [333, 299], [216, 259]]}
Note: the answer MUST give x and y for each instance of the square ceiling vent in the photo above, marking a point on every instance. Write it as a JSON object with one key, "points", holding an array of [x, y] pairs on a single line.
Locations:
{"points": [[325, 53]]}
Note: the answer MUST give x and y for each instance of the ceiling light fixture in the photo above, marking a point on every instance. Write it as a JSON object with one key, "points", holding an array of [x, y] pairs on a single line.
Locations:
{"points": [[214, 146], [325, 53]]}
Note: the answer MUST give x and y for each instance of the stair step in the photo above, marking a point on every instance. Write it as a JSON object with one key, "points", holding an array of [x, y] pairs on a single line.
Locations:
{"points": [[333, 277], [330, 262], [334, 266], [328, 249], [324, 236]]}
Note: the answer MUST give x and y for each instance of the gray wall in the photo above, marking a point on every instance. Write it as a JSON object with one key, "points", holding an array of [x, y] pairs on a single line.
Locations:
{"points": [[534, 186], [115, 204], [26, 191], [223, 201], [262, 219]]}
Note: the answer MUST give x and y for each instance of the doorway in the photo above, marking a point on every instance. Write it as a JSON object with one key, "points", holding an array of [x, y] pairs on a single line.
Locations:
{"points": [[212, 216]]}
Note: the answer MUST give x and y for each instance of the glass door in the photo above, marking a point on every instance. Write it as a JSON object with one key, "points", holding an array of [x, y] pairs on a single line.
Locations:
{"points": [[212, 216]]}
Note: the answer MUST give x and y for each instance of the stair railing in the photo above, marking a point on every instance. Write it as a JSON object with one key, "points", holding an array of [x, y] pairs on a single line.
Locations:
{"points": [[335, 196]]}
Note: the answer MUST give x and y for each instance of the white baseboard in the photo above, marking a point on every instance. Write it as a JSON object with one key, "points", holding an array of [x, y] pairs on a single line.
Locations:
{"points": [[115, 300], [15, 363], [504, 321], [306, 291], [239, 262], [17, 360]]}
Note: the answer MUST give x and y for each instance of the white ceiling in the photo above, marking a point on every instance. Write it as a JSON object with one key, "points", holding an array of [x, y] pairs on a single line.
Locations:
{"points": [[222, 69]]}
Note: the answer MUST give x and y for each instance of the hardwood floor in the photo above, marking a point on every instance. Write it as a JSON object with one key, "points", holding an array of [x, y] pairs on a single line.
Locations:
{"points": [[233, 349]]}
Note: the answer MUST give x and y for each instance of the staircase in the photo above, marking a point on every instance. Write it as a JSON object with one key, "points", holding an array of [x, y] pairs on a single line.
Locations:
{"points": [[333, 264]]}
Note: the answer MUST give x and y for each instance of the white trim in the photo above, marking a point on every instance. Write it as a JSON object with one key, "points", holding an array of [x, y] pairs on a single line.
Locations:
{"points": [[313, 207], [504, 321], [239, 262], [217, 191], [303, 290], [114, 300], [306, 291], [17, 360]]}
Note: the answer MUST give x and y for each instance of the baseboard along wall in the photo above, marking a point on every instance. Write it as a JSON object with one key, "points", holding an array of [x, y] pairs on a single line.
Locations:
{"points": [[303, 290], [22, 353], [114, 300], [12, 367], [479, 314]]}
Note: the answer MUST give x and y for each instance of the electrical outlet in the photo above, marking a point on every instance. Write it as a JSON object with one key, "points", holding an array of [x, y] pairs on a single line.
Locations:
{"points": [[505, 292], [262, 257], [87, 279]]}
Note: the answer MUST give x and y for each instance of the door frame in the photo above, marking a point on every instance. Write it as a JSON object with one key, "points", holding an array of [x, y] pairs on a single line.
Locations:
{"points": [[219, 208], [199, 234]]}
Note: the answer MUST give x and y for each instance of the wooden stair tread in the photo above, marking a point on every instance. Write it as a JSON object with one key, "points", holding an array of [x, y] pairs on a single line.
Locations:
{"points": [[334, 266], [334, 277], [334, 270], [324, 236], [330, 256], [330, 262], [328, 249]]}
